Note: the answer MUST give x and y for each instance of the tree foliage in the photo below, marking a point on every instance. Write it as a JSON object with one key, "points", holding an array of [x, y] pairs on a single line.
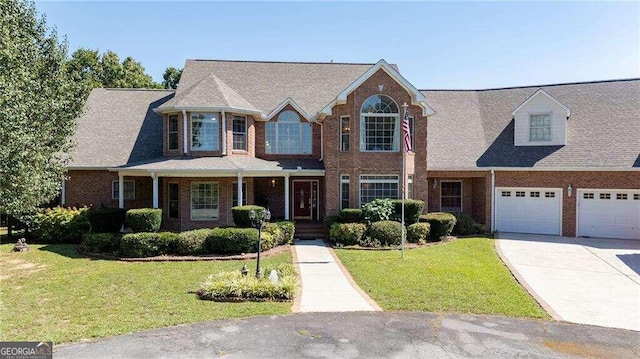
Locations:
{"points": [[39, 105], [171, 78], [106, 70]]}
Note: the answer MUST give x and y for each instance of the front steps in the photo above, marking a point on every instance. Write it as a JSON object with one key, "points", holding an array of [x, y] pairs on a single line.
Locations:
{"points": [[310, 230]]}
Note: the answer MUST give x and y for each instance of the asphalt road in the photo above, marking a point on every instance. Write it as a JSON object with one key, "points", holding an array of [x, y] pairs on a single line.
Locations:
{"points": [[367, 335]]}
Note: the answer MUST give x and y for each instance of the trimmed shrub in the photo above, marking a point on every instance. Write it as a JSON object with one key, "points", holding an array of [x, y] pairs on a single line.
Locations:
{"points": [[465, 225], [275, 231], [232, 285], [137, 245], [144, 219], [101, 242], [412, 210], [106, 220], [350, 215], [192, 242], [288, 230], [241, 215], [330, 220], [348, 234], [418, 233], [388, 233], [379, 209], [237, 240], [60, 225], [441, 224]]}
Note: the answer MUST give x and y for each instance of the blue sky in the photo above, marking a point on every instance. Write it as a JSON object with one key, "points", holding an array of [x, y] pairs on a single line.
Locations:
{"points": [[436, 45]]}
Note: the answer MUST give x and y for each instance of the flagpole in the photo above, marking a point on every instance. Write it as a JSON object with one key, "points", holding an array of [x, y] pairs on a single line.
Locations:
{"points": [[404, 180]]}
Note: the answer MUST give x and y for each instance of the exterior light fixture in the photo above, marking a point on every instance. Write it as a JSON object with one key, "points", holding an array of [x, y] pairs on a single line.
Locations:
{"points": [[257, 221], [569, 190], [273, 183], [435, 183]]}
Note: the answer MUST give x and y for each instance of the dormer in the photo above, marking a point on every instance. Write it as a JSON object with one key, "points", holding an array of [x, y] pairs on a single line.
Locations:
{"points": [[540, 120]]}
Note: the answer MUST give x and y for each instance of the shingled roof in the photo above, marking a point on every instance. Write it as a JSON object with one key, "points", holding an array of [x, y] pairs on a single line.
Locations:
{"points": [[119, 127], [265, 85], [474, 129]]}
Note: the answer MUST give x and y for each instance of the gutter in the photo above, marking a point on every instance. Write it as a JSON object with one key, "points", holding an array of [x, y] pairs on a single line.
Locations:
{"points": [[493, 201]]}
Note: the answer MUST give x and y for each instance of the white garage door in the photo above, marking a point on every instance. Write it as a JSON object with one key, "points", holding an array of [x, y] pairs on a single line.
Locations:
{"points": [[609, 213], [529, 210]]}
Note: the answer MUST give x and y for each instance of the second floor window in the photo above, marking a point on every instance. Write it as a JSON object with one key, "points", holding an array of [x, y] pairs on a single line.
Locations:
{"points": [[345, 130], [172, 137], [240, 133], [289, 135], [540, 128], [204, 132], [379, 124]]}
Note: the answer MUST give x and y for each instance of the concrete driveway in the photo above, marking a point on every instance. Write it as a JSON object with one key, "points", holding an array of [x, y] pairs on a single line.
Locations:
{"points": [[582, 280]]}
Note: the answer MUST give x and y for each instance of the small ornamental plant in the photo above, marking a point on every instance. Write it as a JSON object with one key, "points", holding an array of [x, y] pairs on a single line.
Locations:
{"points": [[236, 286]]}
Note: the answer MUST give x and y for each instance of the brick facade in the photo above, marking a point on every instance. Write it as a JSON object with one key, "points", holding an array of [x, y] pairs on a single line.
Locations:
{"points": [[354, 162], [94, 188], [476, 192]]}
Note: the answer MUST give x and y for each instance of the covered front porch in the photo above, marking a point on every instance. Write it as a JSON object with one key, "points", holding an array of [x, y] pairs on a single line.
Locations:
{"points": [[200, 192]]}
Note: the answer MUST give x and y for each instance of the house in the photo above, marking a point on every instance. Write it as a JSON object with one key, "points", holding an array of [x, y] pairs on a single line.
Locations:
{"points": [[307, 139]]}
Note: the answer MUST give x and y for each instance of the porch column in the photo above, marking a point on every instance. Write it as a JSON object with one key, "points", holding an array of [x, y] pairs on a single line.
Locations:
{"points": [[240, 194], [286, 197], [63, 192], [120, 190], [155, 189]]}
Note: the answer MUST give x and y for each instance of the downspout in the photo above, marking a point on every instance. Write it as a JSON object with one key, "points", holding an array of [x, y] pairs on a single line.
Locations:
{"points": [[321, 141], [224, 133], [184, 131], [493, 200]]}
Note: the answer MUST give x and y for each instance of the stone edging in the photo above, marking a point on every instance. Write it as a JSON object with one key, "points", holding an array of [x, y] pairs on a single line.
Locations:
{"points": [[270, 252]]}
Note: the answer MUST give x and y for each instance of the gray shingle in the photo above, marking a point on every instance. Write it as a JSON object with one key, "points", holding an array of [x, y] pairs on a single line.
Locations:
{"points": [[265, 85], [474, 129], [119, 127], [227, 163]]}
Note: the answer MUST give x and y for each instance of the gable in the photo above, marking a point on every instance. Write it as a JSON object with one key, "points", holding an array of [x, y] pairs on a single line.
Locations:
{"points": [[538, 117]]}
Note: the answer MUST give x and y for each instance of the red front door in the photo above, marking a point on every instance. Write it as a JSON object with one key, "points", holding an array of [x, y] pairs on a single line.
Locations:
{"points": [[302, 199]]}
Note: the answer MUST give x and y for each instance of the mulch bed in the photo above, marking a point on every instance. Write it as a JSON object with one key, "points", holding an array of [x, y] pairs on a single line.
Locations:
{"points": [[165, 258]]}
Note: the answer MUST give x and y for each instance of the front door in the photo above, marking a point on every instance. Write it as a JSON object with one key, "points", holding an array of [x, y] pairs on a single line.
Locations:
{"points": [[302, 199]]}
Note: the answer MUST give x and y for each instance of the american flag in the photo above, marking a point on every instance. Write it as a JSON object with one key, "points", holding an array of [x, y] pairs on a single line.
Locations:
{"points": [[407, 131]]}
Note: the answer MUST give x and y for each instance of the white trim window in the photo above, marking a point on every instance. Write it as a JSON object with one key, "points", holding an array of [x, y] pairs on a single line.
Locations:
{"points": [[540, 127], [240, 133], [288, 135], [129, 189], [451, 196], [204, 201], [345, 133], [173, 192], [378, 186], [172, 133], [379, 125], [205, 131], [410, 186], [344, 191]]}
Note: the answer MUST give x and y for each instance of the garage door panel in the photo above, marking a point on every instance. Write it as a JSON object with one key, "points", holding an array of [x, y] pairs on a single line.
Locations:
{"points": [[609, 213], [528, 210]]}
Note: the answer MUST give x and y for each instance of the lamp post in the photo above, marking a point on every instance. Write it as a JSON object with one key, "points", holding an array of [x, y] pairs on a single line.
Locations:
{"points": [[258, 220]]}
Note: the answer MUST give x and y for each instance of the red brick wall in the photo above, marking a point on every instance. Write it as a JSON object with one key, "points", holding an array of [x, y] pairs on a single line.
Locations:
{"points": [[355, 163], [93, 188], [577, 180], [476, 192]]}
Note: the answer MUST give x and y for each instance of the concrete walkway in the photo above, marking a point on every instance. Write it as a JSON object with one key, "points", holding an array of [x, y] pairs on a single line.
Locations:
{"points": [[582, 280], [326, 286]]}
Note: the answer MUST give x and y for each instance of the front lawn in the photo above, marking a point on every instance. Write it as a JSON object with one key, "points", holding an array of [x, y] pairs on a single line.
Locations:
{"points": [[52, 293], [464, 276]]}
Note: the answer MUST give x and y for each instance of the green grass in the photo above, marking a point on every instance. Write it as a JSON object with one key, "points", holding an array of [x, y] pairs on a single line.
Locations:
{"points": [[52, 293], [463, 276]]}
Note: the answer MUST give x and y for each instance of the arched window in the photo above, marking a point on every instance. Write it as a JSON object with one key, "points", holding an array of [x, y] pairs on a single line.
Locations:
{"points": [[379, 124], [289, 135]]}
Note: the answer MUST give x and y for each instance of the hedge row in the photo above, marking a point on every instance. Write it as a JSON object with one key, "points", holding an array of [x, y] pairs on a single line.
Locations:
{"points": [[218, 240], [441, 224]]}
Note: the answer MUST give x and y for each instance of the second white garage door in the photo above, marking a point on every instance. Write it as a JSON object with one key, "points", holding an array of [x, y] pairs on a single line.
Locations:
{"points": [[529, 210], [609, 213]]}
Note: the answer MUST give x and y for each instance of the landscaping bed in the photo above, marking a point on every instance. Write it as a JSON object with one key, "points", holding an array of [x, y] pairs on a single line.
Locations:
{"points": [[463, 276]]}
